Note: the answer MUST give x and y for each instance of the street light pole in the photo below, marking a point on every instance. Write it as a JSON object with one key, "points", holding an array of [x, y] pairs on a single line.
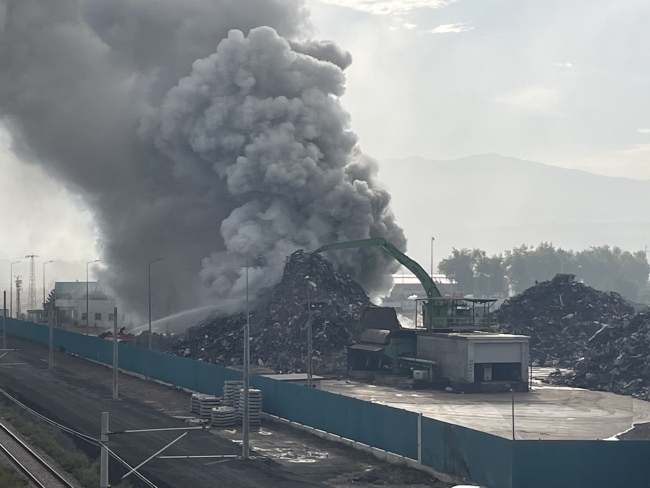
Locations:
{"points": [[159, 259], [87, 295], [309, 344], [11, 289], [432, 239], [245, 420], [258, 261], [47, 262], [310, 353]]}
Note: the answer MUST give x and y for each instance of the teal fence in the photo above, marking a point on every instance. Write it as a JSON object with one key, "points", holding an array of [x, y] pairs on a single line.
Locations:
{"points": [[481, 458]]}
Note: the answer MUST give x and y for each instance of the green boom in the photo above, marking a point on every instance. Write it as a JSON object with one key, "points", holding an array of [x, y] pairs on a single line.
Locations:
{"points": [[429, 286]]}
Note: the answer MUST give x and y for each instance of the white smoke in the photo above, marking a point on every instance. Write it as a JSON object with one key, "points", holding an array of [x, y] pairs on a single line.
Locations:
{"points": [[204, 158]]}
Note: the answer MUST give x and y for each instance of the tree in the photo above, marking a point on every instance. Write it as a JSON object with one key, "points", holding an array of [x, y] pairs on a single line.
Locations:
{"points": [[48, 306], [525, 264], [491, 280], [614, 270], [475, 273], [460, 268]]}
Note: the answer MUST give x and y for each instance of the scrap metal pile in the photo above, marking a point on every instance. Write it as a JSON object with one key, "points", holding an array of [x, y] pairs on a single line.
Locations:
{"points": [[279, 328], [596, 335], [561, 317], [617, 360]]}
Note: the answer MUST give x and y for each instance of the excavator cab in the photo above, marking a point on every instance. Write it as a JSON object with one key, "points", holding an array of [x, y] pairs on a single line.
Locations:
{"points": [[455, 314]]}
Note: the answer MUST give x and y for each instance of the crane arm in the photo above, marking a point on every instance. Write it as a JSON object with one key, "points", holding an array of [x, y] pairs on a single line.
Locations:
{"points": [[429, 286]]}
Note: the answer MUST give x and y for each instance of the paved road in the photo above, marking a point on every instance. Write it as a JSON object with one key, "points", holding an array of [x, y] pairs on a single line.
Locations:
{"points": [[77, 402]]}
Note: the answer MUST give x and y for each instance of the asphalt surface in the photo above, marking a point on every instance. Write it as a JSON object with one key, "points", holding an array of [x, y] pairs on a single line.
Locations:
{"points": [[78, 402], [546, 412], [77, 391]]}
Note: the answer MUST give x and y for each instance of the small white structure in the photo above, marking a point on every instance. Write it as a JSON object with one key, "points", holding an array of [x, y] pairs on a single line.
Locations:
{"points": [[70, 303], [297, 379], [478, 361]]}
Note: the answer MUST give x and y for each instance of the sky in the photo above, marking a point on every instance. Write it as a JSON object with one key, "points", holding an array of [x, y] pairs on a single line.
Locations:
{"points": [[560, 82]]}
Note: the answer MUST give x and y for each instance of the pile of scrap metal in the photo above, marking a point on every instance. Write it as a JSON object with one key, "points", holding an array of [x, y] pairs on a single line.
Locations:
{"points": [[616, 359], [561, 316], [278, 329]]}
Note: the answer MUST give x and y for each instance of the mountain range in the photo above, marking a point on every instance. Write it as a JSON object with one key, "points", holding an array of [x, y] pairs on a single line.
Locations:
{"points": [[495, 203]]}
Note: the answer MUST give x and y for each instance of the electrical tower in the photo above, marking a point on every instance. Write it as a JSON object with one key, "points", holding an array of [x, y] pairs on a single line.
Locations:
{"points": [[19, 289], [31, 296]]}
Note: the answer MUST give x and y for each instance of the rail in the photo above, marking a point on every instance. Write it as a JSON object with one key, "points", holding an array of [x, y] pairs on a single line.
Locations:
{"points": [[462, 323], [32, 477]]}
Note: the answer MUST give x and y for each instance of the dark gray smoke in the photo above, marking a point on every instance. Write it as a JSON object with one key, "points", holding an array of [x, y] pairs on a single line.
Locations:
{"points": [[206, 132]]}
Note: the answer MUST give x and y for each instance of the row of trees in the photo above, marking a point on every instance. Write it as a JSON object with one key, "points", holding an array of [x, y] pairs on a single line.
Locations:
{"points": [[604, 268]]}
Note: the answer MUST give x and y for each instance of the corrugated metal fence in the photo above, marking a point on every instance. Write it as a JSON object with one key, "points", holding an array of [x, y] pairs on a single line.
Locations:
{"points": [[481, 458]]}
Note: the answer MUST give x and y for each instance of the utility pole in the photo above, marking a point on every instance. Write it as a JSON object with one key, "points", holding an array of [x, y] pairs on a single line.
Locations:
{"points": [[432, 239], [247, 365], [115, 353], [103, 461], [44, 286], [87, 297], [4, 319], [309, 341], [310, 353], [11, 288], [150, 332]]}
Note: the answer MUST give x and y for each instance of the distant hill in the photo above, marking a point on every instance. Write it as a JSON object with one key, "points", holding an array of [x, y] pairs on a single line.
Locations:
{"points": [[495, 203]]}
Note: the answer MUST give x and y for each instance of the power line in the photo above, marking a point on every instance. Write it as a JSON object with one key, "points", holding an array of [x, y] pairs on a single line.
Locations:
{"points": [[70, 431]]}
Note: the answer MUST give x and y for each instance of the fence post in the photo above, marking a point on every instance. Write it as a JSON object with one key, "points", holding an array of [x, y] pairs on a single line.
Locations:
{"points": [[420, 438], [50, 357], [4, 319]]}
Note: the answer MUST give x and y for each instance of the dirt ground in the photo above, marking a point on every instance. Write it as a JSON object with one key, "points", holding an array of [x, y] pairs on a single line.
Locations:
{"points": [[77, 391]]}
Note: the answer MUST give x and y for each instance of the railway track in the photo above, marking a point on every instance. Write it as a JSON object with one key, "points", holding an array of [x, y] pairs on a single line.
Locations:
{"points": [[37, 470]]}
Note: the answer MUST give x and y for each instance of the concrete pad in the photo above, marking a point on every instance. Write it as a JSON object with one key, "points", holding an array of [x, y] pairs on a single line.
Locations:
{"points": [[546, 412]]}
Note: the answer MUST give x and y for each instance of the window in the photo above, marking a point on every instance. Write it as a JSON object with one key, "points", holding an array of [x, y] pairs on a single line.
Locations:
{"points": [[98, 316], [111, 316], [84, 316]]}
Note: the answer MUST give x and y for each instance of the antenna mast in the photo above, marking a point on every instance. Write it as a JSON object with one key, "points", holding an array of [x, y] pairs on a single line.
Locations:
{"points": [[31, 297]]}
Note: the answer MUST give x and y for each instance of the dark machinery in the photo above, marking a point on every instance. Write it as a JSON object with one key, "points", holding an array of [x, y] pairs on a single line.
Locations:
{"points": [[454, 345], [438, 313]]}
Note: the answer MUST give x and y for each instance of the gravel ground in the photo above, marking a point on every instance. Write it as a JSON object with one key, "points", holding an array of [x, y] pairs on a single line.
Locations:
{"points": [[77, 391]]}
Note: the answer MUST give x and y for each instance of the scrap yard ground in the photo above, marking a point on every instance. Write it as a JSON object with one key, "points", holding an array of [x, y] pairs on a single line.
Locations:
{"points": [[77, 391], [546, 412]]}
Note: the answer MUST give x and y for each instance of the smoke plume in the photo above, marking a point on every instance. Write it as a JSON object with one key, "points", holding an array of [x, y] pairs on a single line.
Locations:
{"points": [[205, 132]]}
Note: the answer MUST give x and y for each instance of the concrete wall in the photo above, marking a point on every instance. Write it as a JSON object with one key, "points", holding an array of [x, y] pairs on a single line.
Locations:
{"points": [[451, 355], [456, 355]]}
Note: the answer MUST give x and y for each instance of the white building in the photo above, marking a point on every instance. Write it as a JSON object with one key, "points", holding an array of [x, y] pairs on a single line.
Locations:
{"points": [[407, 287], [70, 303]]}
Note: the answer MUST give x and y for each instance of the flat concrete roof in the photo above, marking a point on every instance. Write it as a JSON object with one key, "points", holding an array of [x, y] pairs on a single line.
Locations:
{"points": [[546, 412], [292, 377], [487, 336]]}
